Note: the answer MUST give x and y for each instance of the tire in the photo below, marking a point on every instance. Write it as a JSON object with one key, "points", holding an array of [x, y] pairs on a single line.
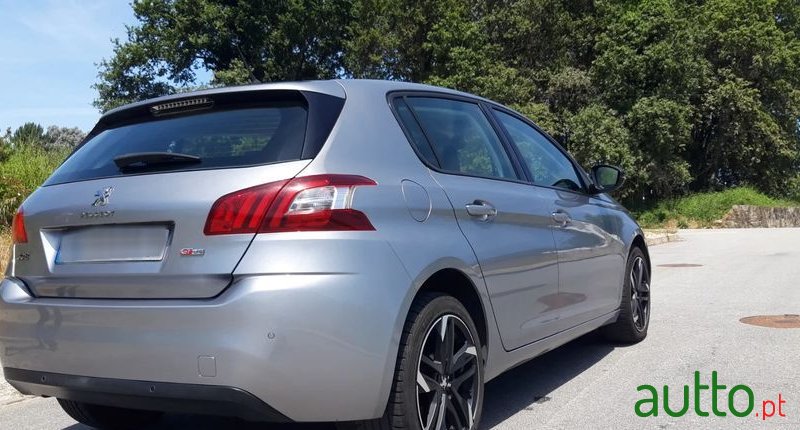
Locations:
{"points": [[462, 393], [107, 417], [634, 312]]}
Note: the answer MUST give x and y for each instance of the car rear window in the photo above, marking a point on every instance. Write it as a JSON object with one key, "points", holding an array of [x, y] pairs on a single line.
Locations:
{"points": [[222, 139]]}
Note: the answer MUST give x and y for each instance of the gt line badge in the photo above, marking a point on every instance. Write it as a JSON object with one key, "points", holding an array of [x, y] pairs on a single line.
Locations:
{"points": [[193, 252]]}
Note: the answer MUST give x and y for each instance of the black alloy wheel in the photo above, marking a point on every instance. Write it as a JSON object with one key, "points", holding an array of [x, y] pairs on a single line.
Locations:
{"points": [[447, 376]]}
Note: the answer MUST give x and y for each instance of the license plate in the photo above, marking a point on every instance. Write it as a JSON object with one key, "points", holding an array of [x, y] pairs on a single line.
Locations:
{"points": [[113, 243]]}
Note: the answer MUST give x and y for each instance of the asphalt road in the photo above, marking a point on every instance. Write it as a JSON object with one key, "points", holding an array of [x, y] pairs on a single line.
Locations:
{"points": [[591, 384]]}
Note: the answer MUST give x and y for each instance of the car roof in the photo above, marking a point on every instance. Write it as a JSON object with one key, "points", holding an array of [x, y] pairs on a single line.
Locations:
{"points": [[374, 85], [337, 88]]}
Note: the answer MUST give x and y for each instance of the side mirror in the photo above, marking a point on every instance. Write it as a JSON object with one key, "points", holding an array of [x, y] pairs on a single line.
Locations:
{"points": [[606, 179]]}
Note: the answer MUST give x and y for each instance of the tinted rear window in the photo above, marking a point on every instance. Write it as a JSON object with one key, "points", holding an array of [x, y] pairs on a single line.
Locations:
{"points": [[222, 139], [461, 137]]}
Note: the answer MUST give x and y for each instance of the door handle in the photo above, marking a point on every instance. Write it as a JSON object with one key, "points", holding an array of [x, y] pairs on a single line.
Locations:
{"points": [[562, 218], [482, 210]]}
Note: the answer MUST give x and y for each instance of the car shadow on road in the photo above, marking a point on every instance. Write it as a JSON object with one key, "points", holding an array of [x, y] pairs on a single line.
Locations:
{"points": [[521, 388], [529, 384]]}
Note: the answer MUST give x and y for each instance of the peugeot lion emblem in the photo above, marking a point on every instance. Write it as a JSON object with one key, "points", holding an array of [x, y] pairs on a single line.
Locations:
{"points": [[101, 196]]}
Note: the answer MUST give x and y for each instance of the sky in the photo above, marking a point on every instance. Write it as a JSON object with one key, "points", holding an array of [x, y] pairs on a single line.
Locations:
{"points": [[48, 52]]}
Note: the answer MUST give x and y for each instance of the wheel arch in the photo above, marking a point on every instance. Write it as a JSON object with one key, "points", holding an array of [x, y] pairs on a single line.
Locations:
{"points": [[457, 284], [639, 242], [451, 277]]}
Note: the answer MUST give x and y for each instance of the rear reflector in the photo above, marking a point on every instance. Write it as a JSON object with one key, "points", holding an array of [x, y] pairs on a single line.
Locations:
{"points": [[310, 203], [18, 233]]}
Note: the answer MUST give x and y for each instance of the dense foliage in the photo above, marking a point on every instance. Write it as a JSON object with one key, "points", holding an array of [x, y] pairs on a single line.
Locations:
{"points": [[686, 95], [27, 157]]}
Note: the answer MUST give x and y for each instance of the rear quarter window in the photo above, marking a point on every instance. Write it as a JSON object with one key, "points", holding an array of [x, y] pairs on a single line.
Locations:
{"points": [[455, 136], [222, 139]]}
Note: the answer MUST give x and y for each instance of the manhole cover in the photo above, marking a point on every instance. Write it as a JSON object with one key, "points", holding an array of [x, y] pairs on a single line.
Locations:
{"points": [[773, 321], [680, 265]]}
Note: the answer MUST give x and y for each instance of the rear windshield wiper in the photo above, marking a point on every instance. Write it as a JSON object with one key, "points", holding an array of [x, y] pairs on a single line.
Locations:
{"points": [[151, 160]]}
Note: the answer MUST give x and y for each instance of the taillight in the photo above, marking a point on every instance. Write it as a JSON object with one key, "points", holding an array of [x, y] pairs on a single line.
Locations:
{"points": [[310, 203], [241, 211], [18, 233], [318, 203]]}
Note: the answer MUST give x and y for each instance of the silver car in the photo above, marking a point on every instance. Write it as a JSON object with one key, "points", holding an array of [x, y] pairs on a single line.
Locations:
{"points": [[362, 252]]}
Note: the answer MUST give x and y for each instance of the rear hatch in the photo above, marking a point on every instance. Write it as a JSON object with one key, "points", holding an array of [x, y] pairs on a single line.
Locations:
{"points": [[124, 216]]}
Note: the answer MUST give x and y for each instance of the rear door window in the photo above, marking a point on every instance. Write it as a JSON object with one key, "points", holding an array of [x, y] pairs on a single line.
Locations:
{"points": [[461, 137], [221, 139]]}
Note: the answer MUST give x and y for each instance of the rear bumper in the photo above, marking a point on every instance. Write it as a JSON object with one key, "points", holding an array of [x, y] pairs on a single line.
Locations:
{"points": [[161, 396], [315, 347]]}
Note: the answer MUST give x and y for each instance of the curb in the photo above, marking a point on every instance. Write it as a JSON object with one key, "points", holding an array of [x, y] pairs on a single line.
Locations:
{"points": [[658, 237]]}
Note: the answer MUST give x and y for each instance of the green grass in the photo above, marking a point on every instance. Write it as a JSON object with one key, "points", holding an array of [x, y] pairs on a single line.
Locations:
{"points": [[21, 173], [31, 165], [702, 209]]}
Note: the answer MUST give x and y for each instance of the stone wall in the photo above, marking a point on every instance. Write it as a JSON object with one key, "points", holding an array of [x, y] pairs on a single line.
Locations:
{"points": [[744, 216]]}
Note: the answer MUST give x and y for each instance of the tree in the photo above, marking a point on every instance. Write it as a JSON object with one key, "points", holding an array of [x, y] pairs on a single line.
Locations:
{"points": [[748, 128], [444, 42], [5, 139], [739, 142], [5, 149], [598, 136], [29, 133], [57, 138], [650, 48], [463, 57], [239, 41], [661, 129]]}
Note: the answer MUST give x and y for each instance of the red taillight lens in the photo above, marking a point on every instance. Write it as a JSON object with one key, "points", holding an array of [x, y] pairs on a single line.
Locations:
{"points": [[241, 211], [18, 233], [310, 203]]}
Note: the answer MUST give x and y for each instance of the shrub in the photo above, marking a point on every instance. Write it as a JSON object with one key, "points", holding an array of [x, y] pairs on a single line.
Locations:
{"points": [[21, 173], [793, 187]]}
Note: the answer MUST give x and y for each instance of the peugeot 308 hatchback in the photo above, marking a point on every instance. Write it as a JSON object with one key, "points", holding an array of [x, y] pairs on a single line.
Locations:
{"points": [[351, 251]]}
